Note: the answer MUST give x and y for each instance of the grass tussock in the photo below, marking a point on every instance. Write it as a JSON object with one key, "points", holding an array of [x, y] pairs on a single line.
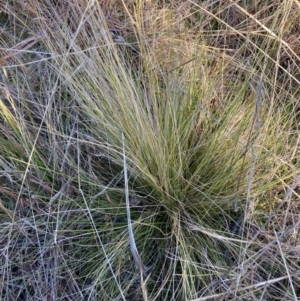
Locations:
{"points": [[149, 150]]}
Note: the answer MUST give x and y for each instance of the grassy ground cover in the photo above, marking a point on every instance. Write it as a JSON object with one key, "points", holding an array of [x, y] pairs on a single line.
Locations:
{"points": [[149, 150]]}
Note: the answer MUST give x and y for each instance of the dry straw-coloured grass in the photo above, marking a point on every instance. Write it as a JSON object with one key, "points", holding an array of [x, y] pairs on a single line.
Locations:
{"points": [[197, 103]]}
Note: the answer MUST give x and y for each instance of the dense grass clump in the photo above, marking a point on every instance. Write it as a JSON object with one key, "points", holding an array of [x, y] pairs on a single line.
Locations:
{"points": [[149, 150]]}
